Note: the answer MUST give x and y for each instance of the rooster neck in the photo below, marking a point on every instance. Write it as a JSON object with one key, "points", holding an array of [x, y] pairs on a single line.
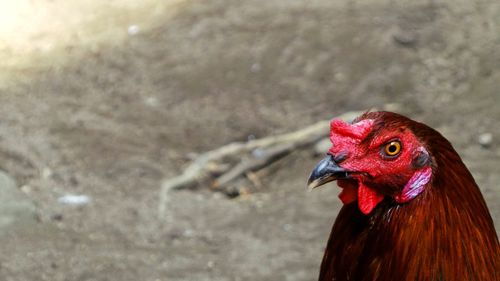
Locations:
{"points": [[445, 234]]}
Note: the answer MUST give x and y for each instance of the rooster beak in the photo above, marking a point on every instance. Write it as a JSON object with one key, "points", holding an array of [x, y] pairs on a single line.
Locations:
{"points": [[327, 170]]}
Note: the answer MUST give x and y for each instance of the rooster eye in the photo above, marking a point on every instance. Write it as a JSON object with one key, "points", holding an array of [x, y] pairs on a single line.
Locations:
{"points": [[392, 148]]}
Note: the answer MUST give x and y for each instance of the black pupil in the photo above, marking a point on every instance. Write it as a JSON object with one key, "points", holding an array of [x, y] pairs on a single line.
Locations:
{"points": [[392, 148]]}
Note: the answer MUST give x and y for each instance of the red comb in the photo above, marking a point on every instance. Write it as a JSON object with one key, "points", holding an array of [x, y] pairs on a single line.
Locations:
{"points": [[357, 130]]}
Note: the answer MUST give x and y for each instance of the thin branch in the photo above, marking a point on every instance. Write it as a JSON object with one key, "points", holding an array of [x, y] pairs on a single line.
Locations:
{"points": [[265, 151]]}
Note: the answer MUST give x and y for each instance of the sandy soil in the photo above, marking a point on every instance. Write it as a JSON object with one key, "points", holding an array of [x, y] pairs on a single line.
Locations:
{"points": [[91, 107]]}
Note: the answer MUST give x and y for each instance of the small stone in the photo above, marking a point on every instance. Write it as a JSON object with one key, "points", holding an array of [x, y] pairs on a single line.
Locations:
{"points": [[26, 188], [76, 200], [405, 38], [151, 101], [255, 67], [485, 139], [188, 233], [259, 153], [251, 137], [217, 196], [46, 173], [133, 30], [287, 227], [339, 77]]}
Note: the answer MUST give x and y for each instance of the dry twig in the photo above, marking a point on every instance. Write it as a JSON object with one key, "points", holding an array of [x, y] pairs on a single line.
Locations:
{"points": [[255, 154]]}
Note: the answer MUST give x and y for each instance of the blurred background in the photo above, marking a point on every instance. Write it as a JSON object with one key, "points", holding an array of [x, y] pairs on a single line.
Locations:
{"points": [[103, 100]]}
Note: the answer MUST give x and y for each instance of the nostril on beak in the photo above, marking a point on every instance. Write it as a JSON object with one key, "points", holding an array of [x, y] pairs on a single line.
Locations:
{"points": [[339, 157]]}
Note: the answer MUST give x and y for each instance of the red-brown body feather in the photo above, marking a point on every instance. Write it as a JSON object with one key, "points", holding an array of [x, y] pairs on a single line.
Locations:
{"points": [[445, 233]]}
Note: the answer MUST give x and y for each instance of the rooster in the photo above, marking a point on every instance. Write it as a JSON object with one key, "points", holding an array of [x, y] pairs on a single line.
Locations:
{"points": [[412, 210]]}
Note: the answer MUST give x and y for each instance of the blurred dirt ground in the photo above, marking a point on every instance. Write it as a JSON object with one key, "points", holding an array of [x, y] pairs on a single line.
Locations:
{"points": [[106, 100]]}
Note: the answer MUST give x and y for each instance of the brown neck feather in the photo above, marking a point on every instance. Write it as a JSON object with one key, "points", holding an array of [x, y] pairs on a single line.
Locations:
{"points": [[446, 233]]}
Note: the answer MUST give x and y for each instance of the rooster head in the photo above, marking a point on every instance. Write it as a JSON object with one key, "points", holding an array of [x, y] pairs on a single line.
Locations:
{"points": [[376, 157]]}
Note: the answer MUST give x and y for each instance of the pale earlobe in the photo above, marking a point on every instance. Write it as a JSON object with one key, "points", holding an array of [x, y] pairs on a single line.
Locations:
{"points": [[415, 185]]}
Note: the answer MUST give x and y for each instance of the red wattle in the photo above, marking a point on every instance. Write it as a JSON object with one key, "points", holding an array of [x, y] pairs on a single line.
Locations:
{"points": [[368, 199], [348, 194]]}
